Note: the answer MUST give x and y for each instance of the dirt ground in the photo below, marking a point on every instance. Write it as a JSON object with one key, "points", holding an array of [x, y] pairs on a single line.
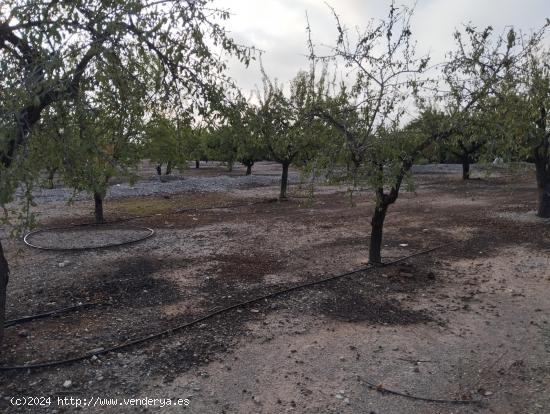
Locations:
{"points": [[468, 321]]}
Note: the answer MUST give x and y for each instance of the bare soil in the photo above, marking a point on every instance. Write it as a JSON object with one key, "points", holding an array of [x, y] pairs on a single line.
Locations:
{"points": [[468, 321]]}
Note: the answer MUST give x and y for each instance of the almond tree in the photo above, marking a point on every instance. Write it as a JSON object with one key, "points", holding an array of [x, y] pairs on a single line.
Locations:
{"points": [[48, 49], [285, 123], [369, 112], [386, 72], [526, 98]]}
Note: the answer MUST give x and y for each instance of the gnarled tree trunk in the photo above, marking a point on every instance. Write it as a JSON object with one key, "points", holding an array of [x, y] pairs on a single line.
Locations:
{"points": [[542, 165], [284, 181], [4, 277], [197, 163], [168, 168], [466, 167], [377, 227], [51, 176], [248, 165], [98, 200]]}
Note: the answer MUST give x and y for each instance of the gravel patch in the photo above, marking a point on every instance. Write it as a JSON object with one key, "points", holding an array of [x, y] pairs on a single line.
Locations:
{"points": [[524, 217], [154, 186]]}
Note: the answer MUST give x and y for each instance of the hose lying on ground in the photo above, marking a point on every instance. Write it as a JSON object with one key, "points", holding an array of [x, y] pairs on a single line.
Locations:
{"points": [[101, 351], [150, 232], [25, 319], [118, 347]]}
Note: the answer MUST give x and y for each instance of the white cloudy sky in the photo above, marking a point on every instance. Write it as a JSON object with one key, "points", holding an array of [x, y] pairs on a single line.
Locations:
{"points": [[278, 26]]}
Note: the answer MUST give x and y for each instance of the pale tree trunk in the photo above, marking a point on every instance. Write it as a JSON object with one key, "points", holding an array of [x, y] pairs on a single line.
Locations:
{"points": [[168, 168], [4, 277]]}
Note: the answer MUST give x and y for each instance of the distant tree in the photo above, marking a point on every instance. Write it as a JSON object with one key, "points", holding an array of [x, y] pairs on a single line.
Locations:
{"points": [[221, 144], [284, 123], [194, 145], [102, 135], [244, 119], [162, 144]]}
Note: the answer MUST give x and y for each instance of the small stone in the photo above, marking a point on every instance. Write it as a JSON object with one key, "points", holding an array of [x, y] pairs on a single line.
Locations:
{"points": [[347, 401], [23, 333], [67, 384], [257, 400], [339, 397]]}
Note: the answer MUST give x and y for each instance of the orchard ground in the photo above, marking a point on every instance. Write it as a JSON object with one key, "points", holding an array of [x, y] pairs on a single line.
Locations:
{"points": [[468, 321]]}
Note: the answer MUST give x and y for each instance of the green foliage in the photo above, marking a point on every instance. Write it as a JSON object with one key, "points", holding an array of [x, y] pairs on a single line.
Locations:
{"points": [[368, 114], [285, 123], [163, 143], [68, 53], [221, 144]]}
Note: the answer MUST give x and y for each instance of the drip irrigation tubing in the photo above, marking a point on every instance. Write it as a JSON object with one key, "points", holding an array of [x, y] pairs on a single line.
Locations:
{"points": [[158, 335], [150, 233], [25, 319], [380, 388]]}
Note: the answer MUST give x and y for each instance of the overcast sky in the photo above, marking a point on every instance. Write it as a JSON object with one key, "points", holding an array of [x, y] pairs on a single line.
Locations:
{"points": [[278, 27]]}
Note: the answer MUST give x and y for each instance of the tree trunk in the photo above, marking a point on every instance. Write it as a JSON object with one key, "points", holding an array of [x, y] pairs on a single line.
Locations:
{"points": [[4, 277], [284, 181], [168, 168], [159, 169], [543, 187], [197, 163], [249, 169], [98, 199], [377, 227], [51, 175], [466, 167]]}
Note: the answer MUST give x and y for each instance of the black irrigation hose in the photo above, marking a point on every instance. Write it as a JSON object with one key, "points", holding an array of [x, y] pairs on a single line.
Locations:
{"points": [[384, 390], [25, 319], [210, 315], [150, 233]]}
